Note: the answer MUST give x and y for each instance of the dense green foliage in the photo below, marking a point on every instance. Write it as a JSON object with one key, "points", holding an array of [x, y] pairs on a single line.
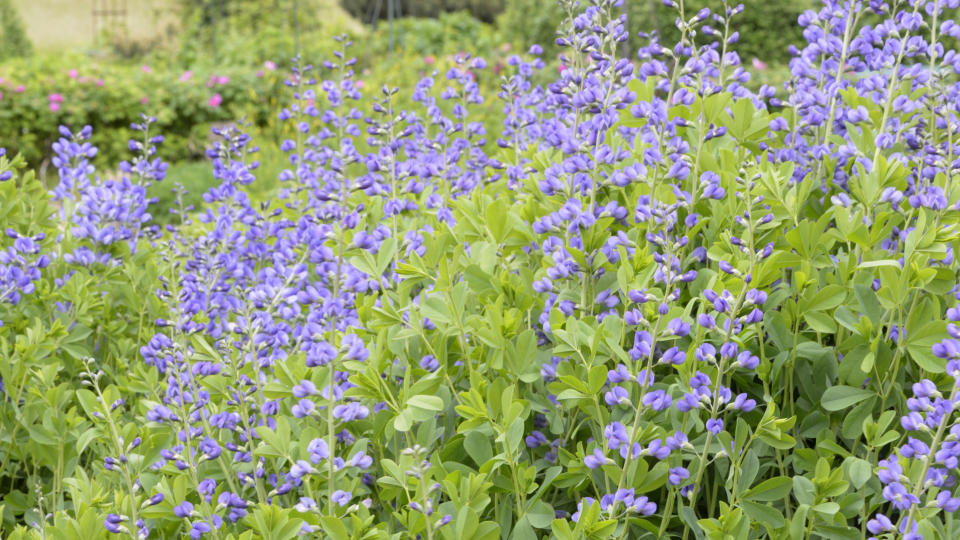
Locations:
{"points": [[619, 296], [766, 27], [13, 38], [42, 94], [365, 10]]}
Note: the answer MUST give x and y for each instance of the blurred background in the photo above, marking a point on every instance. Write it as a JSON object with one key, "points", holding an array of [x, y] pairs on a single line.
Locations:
{"points": [[197, 64]]}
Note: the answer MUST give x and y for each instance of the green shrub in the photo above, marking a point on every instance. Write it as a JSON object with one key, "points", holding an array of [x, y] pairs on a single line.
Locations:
{"points": [[13, 38], [248, 32], [41, 95], [448, 33], [766, 27], [485, 10]]}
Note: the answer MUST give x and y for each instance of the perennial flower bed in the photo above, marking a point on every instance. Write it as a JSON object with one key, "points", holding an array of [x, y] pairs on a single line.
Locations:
{"points": [[652, 304]]}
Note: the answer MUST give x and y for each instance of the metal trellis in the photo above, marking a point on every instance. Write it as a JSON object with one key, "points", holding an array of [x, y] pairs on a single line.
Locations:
{"points": [[108, 15]]}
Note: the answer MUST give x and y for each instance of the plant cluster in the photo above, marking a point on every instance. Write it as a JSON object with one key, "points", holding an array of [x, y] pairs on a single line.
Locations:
{"points": [[38, 96], [13, 38], [653, 304]]}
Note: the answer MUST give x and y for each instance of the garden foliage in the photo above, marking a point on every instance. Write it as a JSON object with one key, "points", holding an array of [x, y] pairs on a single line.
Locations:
{"points": [[13, 38], [652, 304], [38, 96]]}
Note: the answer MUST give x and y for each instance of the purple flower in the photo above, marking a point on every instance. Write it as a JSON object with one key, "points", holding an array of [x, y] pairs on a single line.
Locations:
{"points": [[300, 469], [657, 400], [747, 360], [318, 450], [705, 352], [350, 411], [361, 460], [304, 389], [342, 498], [209, 448], [429, 363], [596, 459], [673, 356], [678, 475], [617, 396], [616, 435], [183, 510], [657, 449], [879, 524], [114, 523], [743, 403], [198, 529], [535, 439], [619, 375], [706, 320], [678, 327], [897, 494], [946, 502]]}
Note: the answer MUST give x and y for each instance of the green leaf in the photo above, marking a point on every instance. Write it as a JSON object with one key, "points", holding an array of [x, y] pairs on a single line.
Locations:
{"points": [[919, 345], [771, 489], [541, 515], [334, 527], [561, 528], [837, 398], [403, 421], [523, 530], [89, 402], [478, 447], [826, 298], [427, 403], [515, 435], [803, 490], [820, 322], [764, 513], [827, 508], [858, 471]]}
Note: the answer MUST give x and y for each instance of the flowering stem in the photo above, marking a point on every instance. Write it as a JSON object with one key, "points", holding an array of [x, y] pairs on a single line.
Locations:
{"points": [[921, 483], [847, 35], [331, 434], [667, 511], [124, 465], [893, 79]]}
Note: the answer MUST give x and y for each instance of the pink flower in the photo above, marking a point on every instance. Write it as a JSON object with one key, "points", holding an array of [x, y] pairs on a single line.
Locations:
{"points": [[186, 76], [269, 65], [215, 100], [223, 79], [99, 82], [429, 60], [260, 73], [55, 98], [54, 106], [73, 74], [20, 89], [145, 68], [144, 100], [1, 96], [360, 85], [757, 64]]}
